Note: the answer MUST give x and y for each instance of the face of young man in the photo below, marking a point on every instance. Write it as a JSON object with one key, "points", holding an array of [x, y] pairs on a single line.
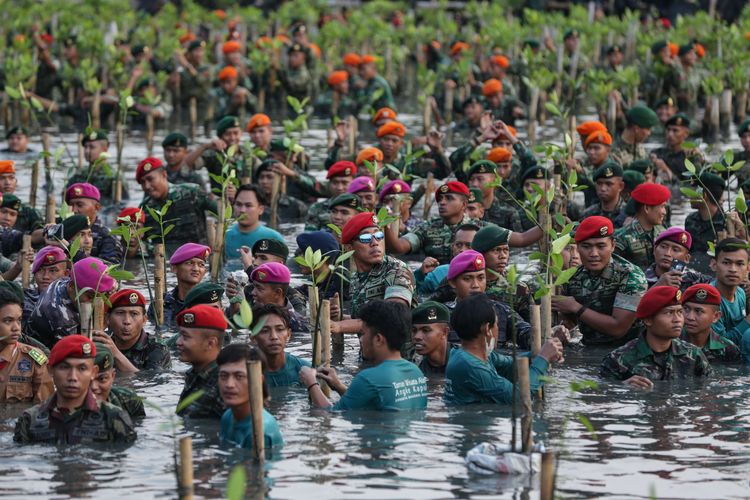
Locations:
{"points": [[608, 190], [126, 323], [597, 153], [261, 136], [8, 217], [504, 169], [265, 182], [87, 240], [390, 145], [274, 335], [102, 384], [497, 258], [368, 199], [194, 346], [451, 205], [596, 253], [745, 141], [18, 143], [47, 274], [699, 317], [155, 184], [340, 215], [676, 135], [338, 185], [462, 241], [92, 150], [174, 155], [191, 271], [247, 209], [469, 284], [481, 181], [85, 206], [667, 323], [72, 377], [655, 214], [429, 338], [8, 183], [666, 251], [233, 383], [730, 267], [262, 258], [10, 324], [475, 210], [232, 136]]}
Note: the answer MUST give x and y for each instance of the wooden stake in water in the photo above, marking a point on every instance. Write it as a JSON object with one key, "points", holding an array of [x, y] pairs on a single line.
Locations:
{"points": [[34, 184], [275, 194], [255, 391], [51, 209], [218, 248], [99, 314], [353, 130], [524, 386], [26, 270], [186, 468], [533, 114], [428, 195], [546, 316], [547, 481], [324, 341], [80, 150], [536, 329], [193, 118], [448, 105], [86, 313], [159, 283], [150, 127]]}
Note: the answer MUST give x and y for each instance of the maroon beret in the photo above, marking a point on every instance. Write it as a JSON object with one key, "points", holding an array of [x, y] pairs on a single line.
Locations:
{"points": [[594, 226], [202, 316], [72, 346], [356, 224], [82, 190], [702, 293], [656, 299], [467, 261], [146, 166], [677, 235], [127, 297], [452, 187], [651, 194]]}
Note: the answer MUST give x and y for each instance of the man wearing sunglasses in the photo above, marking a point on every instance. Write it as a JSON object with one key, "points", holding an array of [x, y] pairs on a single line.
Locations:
{"points": [[376, 275]]}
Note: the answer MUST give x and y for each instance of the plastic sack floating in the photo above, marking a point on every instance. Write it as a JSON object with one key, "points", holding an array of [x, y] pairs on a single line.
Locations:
{"points": [[487, 458]]}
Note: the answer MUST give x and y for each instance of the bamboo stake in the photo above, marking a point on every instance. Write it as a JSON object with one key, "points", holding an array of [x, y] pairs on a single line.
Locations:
{"points": [[34, 183], [117, 182], [536, 329], [547, 482], [80, 151], [209, 118], [186, 468], [312, 303], [51, 209], [546, 316], [353, 130], [527, 439], [324, 342], [86, 313], [428, 195], [211, 230], [96, 110], [26, 270], [98, 314], [193, 118], [533, 115], [448, 105], [255, 391], [725, 110], [150, 133], [218, 248], [427, 115], [159, 283], [275, 194]]}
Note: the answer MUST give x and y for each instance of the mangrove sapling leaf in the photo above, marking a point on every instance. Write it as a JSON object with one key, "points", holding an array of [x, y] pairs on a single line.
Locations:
{"points": [[189, 399], [236, 484], [739, 203], [565, 276], [334, 228], [691, 193]]}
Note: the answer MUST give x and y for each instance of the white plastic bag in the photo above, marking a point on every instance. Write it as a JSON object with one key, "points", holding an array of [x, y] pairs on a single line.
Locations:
{"points": [[487, 458]]}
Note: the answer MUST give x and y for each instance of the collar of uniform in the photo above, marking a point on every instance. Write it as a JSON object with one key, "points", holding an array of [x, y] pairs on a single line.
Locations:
{"points": [[175, 296], [715, 341], [7, 353], [642, 348], [89, 403], [142, 342], [207, 371]]}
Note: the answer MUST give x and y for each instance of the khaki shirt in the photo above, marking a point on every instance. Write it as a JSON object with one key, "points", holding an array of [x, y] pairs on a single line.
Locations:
{"points": [[24, 376]]}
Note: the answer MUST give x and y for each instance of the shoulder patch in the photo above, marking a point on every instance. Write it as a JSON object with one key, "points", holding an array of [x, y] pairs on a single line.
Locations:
{"points": [[38, 356]]}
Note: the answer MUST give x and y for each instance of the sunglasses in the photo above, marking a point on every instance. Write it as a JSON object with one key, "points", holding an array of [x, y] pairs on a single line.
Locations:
{"points": [[366, 239]]}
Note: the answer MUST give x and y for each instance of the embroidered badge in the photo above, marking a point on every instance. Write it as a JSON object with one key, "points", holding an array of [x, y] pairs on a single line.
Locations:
{"points": [[604, 230], [432, 314], [24, 366], [86, 348], [701, 294], [133, 298], [188, 318]]}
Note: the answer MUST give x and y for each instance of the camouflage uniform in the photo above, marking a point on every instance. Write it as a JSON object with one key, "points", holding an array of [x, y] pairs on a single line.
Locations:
{"points": [[366, 97], [620, 284], [505, 111], [187, 212], [682, 360], [128, 400], [703, 232], [373, 284], [684, 84], [23, 374], [101, 180], [244, 163], [523, 158], [503, 215], [106, 247], [185, 175], [209, 404], [30, 298], [223, 105], [172, 307], [318, 216], [718, 348], [613, 215], [635, 244], [298, 83], [28, 219], [55, 315], [91, 423], [148, 353], [197, 86], [434, 237], [653, 81], [290, 209], [675, 160], [625, 154], [690, 277], [324, 105]]}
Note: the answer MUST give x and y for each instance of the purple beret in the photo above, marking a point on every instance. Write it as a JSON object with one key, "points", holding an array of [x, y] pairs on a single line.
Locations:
{"points": [[47, 256], [82, 190], [361, 184], [89, 273], [676, 234], [271, 272], [396, 186], [467, 261], [189, 251]]}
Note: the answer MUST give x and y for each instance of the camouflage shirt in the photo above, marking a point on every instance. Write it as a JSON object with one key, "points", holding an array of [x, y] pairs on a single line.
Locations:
{"points": [[209, 404], [689, 277], [290, 209], [11, 241], [128, 400], [101, 180], [297, 82], [377, 93], [390, 279], [148, 353], [28, 219], [718, 348], [318, 216], [172, 307], [613, 215], [55, 315], [503, 215], [619, 285], [106, 246], [243, 163], [682, 360], [675, 160], [324, 105], [185, 175], [635, 244], [93, 422], [434, 237], [703, 232], [625, 154]]}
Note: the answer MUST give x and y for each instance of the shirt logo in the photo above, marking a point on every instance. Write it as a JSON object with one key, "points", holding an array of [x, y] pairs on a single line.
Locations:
{"points": [[133, 298], [24, 366]]}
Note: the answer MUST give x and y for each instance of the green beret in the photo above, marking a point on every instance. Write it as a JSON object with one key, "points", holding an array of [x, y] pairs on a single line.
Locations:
{"points": [[713, 182], [226, 123], [684, 49], [94, 135], [482, 167], [475, 195], [643, 166], [430, 312], [632, 178], [175, 139], [680, 120], [607, 170], [535, 172], [104, 359], [16, 130], [570, 33], [614, 49], [14, 287], [532, 42], [278, 145], [271, 246], [472, 99], [744, 126], [658, 46], [643, 116], [489, 237], [195, 44], [11, 201], [204, 292], [73, 224], [664, 101], [346, 200]]}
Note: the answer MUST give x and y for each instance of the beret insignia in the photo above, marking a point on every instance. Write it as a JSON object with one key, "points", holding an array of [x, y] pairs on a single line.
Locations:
{"points": [[432, 314], [397, 188], [603, 231], [678, 121], [147, 167], [374, 219], [77, 191], [539, 174], [701, 294], [683, 239], [608, 172], [263, 245], [472, 198], [214, 296], [205, 254], [678, 295], [50, 258], [106, 363], [444, 188], [478, 263], [348, 171], [262, 276], [189, 318], [133, 298], [86, 348]]}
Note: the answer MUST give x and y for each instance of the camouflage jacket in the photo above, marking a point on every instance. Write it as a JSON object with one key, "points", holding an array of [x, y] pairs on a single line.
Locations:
{"points": [[689, 277], [718, 348], [635, 244], [224, 104], [106, 246], [128, 400], [368, 97], [209, 404], [297, 82], [101, 180], [197, 86], [55, 315], [434, 237], [28, 219], [675, 160], [390, 278], [684, 84], [243, 163], [93, 422], [523, 158], [318, 216], [324, 105], [148, 353], [619, 285], [682, 360], [625, 154], [185, 175], [702, 232], [613, 215], [503, 215]]}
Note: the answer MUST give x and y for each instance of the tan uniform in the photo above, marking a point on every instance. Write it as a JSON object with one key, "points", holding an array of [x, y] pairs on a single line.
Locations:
{"points": [[23, 374]]}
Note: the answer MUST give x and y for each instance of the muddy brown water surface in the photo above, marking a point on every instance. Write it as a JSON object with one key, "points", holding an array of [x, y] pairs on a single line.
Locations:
{"points": [[684, 439]]}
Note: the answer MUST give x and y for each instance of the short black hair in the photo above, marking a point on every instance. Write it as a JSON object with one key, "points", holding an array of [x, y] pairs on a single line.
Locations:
{"points": [[470, 314], [8, 296], [731, 245], [390, 319], [264, 310], [255, 189], [468, 227], [244, 352]]}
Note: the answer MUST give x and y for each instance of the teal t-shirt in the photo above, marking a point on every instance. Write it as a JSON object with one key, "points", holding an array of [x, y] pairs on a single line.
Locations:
{"points": [[469, 380], [235, 239], [393, 385], [289, 374], [240, 433]]}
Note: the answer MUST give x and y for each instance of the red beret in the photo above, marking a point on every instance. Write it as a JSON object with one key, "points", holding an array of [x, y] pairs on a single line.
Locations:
{"points": [[202, 316], [651, 194], [356, 224], [452, 187], [72, 346], [134, 214], [146, 166], [127, 297], [82, 190], [656, 299], [341, 168], [595, 226], [392, 128], [702, 293], [257, 120]]}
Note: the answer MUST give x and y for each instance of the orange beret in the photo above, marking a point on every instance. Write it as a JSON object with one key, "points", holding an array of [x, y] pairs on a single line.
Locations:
{"points": [[337, 77], [501, 61], [700, 50], [674, 49], [383, 114], [367, 59], [221, 14], [187, 37], [492, 87], [587, 128], [594, 226], [513, 131], [7, 167], [228, 73], [315, 49], [499, 155], [599, 137], [369, 154], [282, 38], [258, 120], [352, 59], [459, 47], [656, 299], [392, 128], [230, 46], [651, 194]]}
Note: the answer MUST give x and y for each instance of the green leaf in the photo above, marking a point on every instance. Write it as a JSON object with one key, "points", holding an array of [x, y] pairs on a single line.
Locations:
{"points": [[317, 257], [334, 228], [728, 157], [300, 260], [120, 274], [560, 243], [737, 166], [344, 257], [74, 247], [565, 276], [188, 400], [739, 203], [12, 92], [691, 193], [586, 423], [168, 229], [257, 328], [512, 275], [309, 257], [246, 314], [549, 106], [236, 483]]}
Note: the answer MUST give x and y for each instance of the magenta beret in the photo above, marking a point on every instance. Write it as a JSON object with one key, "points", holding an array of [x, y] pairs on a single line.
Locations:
{"points": [[89, 273], [189, 251], [361, 184], [676, 234], [82, 190], [467, 261], [396, 186], [271, 272], [47, 256]]}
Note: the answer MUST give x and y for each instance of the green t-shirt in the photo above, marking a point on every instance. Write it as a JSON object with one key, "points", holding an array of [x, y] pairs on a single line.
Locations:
{"points": [[469, 380], [393, 385], [289, 374]]}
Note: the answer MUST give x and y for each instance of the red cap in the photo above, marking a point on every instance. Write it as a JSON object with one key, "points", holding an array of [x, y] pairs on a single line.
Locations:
{"points": [[356, 224], [595, 226], [341, 169], [202, 316], [651, 194], [656, 299], [702, 293], [367, 59], [258, 120], [452, 187], [147, 166], [392, 128], [72, 346], [135, 214], [127, 297]]}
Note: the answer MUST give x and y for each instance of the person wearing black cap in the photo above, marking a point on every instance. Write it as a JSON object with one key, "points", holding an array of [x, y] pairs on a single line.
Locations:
{"points": [[175, 146], [665, 108], [290, 209], [296, 78], [609, 187], [472, 109], [95, 143], [743, 131], [430, 326], [669, 159], [628, 146], [615, 56], [332, 286], [18, 142]]}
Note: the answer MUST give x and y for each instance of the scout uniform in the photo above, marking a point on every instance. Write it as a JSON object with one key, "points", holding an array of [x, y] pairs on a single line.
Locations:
{"points": [[273, 273], [675, 160], [23, 374], [716, 348], [620, 284], [632, 241], [391, 278], [429, 313], [90, 423], [122, 397], [106, 246], [689, 276], [97, 175], [637, 358], [499, 213], [624, 153], [182, 174], [209, 404], [609, 170]]}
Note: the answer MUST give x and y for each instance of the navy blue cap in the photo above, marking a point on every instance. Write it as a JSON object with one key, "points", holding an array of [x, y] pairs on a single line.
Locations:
{"points": [[319, 240]]}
